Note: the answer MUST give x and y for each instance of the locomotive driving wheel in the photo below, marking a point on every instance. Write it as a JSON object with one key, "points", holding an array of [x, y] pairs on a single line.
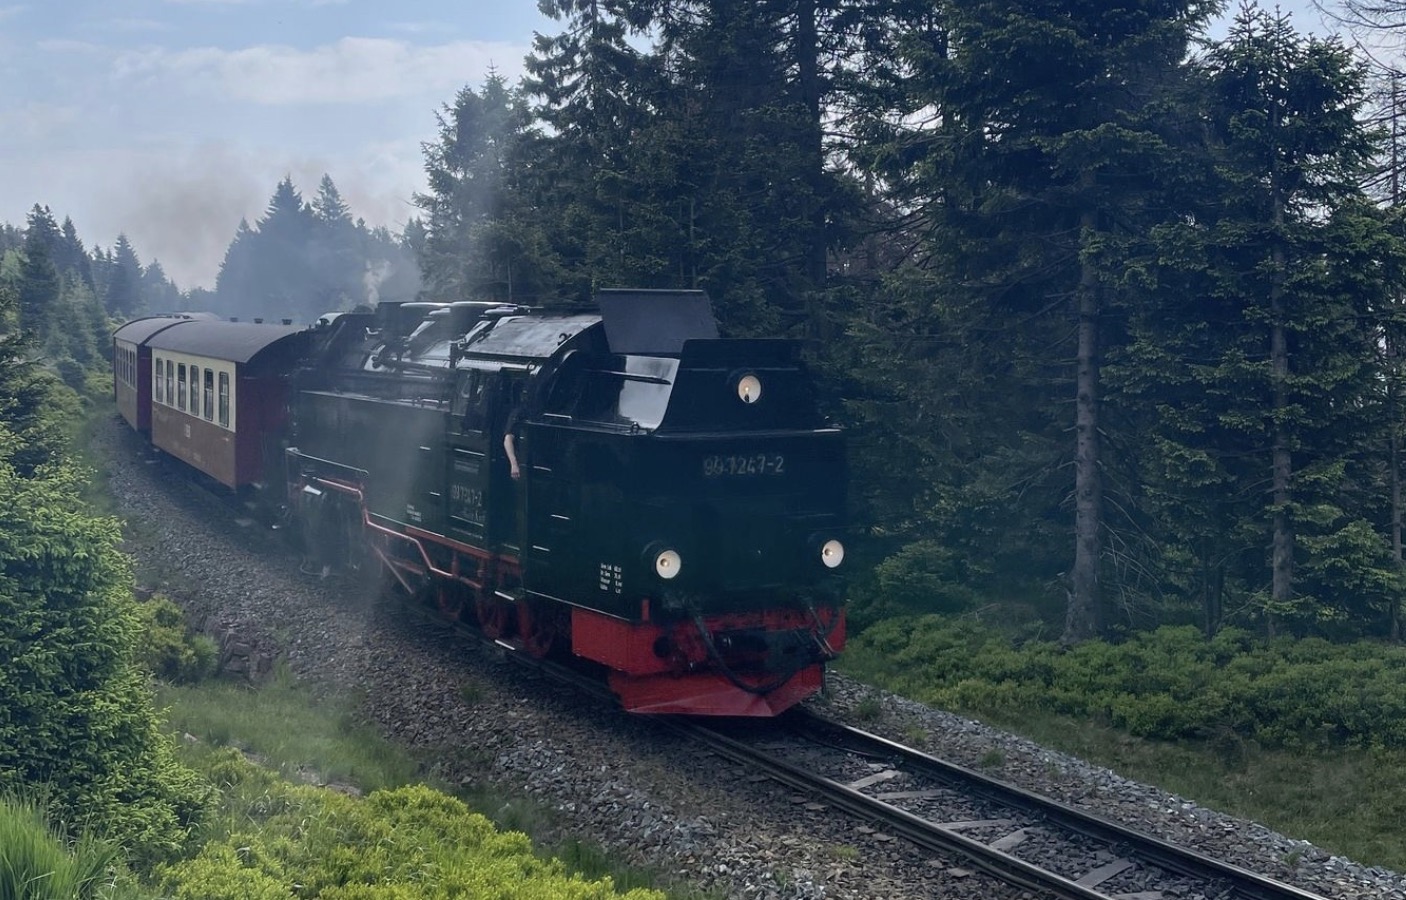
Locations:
{"points": [[450, 602], [538, 626], [494, 616]]}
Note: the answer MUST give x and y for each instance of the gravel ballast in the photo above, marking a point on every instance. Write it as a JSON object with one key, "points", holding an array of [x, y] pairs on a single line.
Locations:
{"points": [[618, 781]]}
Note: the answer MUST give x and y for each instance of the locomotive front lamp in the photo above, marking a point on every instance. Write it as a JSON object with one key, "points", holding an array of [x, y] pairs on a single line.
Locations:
{"points": [[667, 564], [832, 553], [749, 389]]}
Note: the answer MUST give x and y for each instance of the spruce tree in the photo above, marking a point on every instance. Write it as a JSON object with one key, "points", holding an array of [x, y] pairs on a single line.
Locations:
{"points": [[39, 278], [481, 238], [1276, 367], [72, 257], [1031, 145], [123, 295], [337, 251]]}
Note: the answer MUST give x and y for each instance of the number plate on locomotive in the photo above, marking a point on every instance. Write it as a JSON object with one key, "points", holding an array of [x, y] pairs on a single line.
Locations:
{"points": [[743, 464]]}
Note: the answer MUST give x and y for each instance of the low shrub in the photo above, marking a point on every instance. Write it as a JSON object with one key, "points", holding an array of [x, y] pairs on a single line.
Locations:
{"points": [[410, 842], [169, 650], [1167, 684], [926, 575]]}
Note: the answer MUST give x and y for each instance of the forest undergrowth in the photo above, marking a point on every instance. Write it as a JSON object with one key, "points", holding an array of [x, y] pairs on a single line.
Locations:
{"points": [[1305, 736]]}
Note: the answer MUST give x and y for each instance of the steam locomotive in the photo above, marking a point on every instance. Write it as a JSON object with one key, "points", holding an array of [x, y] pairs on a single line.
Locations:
{"points": [[619, 484]]}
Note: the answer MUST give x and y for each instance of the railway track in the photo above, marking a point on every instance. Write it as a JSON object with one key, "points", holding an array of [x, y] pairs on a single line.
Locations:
{"points": [[1022, 838], [1041, 845], [1038, 844]]}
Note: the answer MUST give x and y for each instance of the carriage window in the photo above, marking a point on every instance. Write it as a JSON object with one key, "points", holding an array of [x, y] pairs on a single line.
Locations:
{"points": [[224, 399], [156, 381], [210, 394], [195, 390], [181, 385], [170, 377]]}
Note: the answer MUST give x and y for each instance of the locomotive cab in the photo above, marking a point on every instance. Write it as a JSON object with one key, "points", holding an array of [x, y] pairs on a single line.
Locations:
{"points": [[702, 481], [687, 502]]}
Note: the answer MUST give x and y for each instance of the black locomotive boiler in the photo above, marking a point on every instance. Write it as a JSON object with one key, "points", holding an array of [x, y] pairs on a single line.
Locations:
{"points": [[677, 510]]}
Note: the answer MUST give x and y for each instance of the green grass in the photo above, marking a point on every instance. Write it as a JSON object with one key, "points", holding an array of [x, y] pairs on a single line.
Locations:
{"points": [[1351, 802], [98, 411], [290, 731], [36, 864]]}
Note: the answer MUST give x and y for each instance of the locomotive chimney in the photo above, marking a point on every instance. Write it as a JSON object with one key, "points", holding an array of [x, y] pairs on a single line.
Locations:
{"points": [[287, 321], [258, 321]]}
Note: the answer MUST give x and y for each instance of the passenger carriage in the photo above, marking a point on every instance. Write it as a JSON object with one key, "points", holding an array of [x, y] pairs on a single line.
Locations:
{"points": [[218, 395], [131, 367]]}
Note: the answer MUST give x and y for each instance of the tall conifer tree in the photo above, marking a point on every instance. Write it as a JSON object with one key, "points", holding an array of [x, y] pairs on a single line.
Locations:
{"points": [[1274, 367], [1030, 141], [40, 285]]}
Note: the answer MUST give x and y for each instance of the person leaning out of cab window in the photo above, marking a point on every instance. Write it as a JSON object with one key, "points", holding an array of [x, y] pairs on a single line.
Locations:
{"points": [[510, 442]]}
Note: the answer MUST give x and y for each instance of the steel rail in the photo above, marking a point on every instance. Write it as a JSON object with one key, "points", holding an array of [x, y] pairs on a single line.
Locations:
{"points": [[1152, 850], [919, 831]]}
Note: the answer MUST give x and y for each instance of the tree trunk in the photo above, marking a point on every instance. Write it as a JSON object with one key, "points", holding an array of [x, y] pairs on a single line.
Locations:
{"points": [[1395, 633], [1282, 562], [1212, 591], [807, 49], [1393, 367], [1081, 616], [1393, 417]]}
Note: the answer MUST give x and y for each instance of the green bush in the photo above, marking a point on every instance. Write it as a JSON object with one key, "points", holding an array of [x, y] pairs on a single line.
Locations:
{"points": [[72, 373], [411, 842], [77, 710], [169, 650], [926, 576], [38, 864], [1168, 684]]}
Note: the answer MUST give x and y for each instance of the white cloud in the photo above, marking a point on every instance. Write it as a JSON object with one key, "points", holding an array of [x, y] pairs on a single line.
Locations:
{"points": [[421, 27], [141, 25], [65, 45], [35, 122], [352, 70]]}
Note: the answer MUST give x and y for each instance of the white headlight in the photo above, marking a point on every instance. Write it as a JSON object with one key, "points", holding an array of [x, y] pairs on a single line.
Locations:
{"points": [[667, 564], [832, 553], [749, 389]]}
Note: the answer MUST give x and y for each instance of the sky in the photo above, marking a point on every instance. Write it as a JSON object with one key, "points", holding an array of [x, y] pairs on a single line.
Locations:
{"points": [[170, 120]]}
